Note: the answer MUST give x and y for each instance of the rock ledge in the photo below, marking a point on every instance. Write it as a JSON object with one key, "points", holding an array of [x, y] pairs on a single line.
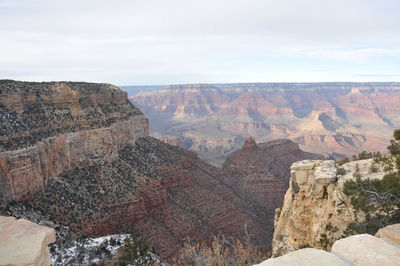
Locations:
{"points": [[24, 243]]}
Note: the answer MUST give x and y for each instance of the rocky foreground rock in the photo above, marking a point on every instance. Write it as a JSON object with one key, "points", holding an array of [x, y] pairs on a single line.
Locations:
{"points": [[24, 243], [361, 250]]}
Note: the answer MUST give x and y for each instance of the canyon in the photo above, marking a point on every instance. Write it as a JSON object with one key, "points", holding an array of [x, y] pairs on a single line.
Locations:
{"points": [[79, 156], [332, 119]]}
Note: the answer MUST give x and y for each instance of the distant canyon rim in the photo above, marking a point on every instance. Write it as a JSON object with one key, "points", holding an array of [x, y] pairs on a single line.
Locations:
{"points": [[333, 119]]}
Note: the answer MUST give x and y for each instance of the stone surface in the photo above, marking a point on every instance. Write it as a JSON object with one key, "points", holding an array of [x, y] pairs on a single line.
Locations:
{"points": [[391, 232], [315, 210], [307, 257], [367, 250], [24, 243]]}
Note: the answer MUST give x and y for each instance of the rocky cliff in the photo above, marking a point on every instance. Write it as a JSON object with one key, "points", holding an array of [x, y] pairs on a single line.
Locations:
{"points": [[49, 128], [79, 155], [325, 118], [315, 211]]}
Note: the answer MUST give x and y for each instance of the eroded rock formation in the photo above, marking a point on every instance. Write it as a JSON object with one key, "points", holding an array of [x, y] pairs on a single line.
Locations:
{"points": [[315, 211]]}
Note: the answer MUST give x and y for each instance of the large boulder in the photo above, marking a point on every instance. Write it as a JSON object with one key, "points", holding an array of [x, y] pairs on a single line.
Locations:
{"points": [[391, 232], [367, 250], [307, 257], [24, 243]]}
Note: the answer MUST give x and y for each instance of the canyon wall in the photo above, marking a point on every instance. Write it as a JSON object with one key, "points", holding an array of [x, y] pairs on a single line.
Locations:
{"points": [[325, 118], [261, 171], [315, 211], [50, 128]]}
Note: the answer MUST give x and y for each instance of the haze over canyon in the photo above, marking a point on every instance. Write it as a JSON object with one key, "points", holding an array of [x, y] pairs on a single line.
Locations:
{"points": [[338, 119]]}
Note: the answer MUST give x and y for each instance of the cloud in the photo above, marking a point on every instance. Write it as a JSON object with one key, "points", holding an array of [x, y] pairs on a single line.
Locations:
{"points": [[157, 41]]}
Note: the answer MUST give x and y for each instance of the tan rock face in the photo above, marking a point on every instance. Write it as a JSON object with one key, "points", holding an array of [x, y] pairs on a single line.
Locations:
{"points": [[24, 243], [391, 232], [315, 211]]}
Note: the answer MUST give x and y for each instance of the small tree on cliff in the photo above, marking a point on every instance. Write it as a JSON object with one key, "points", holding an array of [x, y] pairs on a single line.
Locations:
{"points": [[378, 199]]}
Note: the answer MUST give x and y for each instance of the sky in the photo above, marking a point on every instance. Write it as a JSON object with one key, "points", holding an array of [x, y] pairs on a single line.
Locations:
{"points": [[148, 42]]}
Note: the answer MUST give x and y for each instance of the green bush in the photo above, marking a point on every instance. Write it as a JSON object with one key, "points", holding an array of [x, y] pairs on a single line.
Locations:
{"points": [[343, 161], [374, 168], [378, 199], [134, 253], [396, 134]]}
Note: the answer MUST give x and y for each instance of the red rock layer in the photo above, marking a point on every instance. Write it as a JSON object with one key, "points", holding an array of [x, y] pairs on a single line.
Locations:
{"points": [[159, 193]]}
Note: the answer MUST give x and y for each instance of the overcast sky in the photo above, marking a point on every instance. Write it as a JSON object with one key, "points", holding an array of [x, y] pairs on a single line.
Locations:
{"points": [[143, 42]]}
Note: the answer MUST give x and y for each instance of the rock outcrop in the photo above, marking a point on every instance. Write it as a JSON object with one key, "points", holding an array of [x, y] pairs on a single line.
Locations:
{"points": [[361, 250], [325, 118], [367, 250], [24, 243], [315, 211]]}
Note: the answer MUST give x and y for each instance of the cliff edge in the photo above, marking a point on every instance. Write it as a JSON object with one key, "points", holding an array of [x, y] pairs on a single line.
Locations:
{"points": [[50, 128], [315, 211]]}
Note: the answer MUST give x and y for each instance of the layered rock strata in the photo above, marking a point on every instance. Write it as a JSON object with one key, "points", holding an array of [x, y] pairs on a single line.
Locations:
{"points": [[315, 211], [49, 128], [159, 193], [24, 243]]}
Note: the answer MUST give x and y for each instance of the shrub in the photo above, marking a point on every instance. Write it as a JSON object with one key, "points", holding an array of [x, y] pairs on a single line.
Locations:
{"points": [[374, 168], [136, 254], [396, 134], [341, 171], [343, 161]]}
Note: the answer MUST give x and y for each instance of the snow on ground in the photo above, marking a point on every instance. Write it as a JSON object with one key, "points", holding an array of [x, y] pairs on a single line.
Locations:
{"points": [[87, 250]]}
